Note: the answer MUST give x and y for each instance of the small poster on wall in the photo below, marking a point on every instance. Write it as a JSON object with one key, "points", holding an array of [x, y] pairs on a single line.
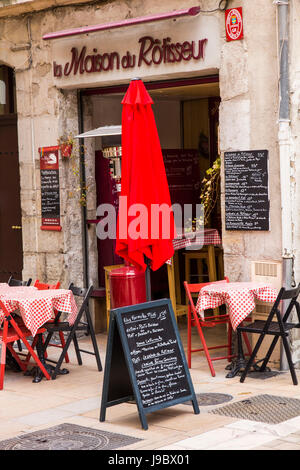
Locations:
{"points": [[50, 200], [234, 24]]}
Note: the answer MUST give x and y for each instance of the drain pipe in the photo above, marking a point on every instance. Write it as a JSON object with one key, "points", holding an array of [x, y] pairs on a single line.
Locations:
{"points": [[284, 140]]}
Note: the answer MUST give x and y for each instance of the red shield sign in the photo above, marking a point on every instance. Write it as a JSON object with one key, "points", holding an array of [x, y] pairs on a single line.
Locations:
{"points": [[234, 24]]}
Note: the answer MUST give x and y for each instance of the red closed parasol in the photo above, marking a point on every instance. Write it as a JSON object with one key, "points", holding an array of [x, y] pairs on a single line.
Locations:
{"points": [[145, 220]]}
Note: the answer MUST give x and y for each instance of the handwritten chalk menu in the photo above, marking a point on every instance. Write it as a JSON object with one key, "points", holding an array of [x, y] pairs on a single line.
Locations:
{"points": [[246, 190], [155, 355], [50, 200], [182, 171], [145, 360]]}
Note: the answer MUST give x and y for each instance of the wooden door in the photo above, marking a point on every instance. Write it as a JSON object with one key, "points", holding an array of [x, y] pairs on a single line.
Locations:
{"points": [[11, 252]]}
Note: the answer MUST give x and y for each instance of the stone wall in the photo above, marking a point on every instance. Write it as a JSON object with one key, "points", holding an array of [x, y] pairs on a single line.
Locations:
{"points": [[248, 121], [44, 114]]}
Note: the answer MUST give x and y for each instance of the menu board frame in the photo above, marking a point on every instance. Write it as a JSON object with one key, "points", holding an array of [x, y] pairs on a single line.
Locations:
{"points": [[248, 185], [120, 382], [50, 196]]}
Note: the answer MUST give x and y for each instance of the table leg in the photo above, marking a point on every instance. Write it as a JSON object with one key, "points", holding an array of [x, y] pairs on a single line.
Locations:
{"points": [[240, 362], [212, 269]]}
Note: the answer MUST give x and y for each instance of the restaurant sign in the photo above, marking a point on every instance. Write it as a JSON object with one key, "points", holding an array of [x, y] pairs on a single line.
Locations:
{"points": [[152, 51], [187, 47]]}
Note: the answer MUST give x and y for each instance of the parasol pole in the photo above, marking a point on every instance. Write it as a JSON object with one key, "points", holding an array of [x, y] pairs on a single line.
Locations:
{"points": [[147, 260], [148, 279]]}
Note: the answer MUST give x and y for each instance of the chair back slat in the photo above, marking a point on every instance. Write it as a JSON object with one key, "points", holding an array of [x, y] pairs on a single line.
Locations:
{"points": [[85, 294], [82, 292], [291, 293], [17, 282], [44, 286], [79, 291]]}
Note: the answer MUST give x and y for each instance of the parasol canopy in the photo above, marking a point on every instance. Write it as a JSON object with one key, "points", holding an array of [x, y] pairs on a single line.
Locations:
{"points": [[145, 220]]}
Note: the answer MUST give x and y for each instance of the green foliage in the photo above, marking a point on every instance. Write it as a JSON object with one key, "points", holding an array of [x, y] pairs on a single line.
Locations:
{"points": [[210, 189], [80, 188]]}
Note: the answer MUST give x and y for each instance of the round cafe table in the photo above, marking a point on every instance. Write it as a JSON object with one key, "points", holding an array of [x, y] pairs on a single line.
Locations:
{"points": [[240, 300]]}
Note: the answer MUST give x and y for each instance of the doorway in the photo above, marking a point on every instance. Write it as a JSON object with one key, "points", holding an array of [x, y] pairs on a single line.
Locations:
{"points": [[11, 248], [186, 114]]}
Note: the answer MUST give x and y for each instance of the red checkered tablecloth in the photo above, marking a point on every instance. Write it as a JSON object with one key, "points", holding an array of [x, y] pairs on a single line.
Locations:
{"points": [[239, 298], [37, 306], [6, 289], [207, 236]]}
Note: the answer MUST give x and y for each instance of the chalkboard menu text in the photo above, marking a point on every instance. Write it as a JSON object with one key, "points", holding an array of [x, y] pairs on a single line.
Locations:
{"points": [[50, 188], [246, 190], [145, 360], [182, 170]]}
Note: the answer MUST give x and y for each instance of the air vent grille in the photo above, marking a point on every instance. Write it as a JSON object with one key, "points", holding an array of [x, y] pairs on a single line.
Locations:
{"points": [[266, 269]]}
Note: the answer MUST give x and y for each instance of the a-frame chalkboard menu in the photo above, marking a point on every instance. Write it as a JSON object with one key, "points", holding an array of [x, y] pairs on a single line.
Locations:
{"points": [[247, 204], [145, 360]]}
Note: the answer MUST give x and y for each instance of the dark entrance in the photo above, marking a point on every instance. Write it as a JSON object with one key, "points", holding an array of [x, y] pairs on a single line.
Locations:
{"points": [[186, 112], [11, 253], [106, 194]]}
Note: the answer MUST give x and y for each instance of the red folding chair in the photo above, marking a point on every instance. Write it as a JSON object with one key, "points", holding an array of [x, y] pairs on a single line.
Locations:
{"points": [[44, 286], [10, 333], [194, 319]]}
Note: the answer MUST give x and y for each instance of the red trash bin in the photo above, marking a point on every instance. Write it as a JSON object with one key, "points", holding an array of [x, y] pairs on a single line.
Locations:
{"points": [[127, 286]]}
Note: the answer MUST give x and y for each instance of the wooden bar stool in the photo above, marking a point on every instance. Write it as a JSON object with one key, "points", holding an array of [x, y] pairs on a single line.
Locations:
{"points": [[206, 254], [174, 286]]}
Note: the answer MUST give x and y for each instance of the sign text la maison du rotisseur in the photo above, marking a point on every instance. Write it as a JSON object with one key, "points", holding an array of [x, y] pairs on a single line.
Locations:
{"points": [[151, 52]]}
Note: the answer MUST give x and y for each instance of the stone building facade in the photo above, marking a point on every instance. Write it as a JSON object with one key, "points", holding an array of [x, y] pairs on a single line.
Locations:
{"points": [[48, 107]]}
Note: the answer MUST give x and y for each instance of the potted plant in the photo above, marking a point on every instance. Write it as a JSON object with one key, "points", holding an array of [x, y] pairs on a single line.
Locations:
{"points": [[66, 146], [70, 150]]}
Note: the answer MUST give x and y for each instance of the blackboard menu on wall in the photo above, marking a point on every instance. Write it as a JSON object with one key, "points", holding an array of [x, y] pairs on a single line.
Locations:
{"points": [[182, 170], [145, 360], [50, 200], [247, 205]]}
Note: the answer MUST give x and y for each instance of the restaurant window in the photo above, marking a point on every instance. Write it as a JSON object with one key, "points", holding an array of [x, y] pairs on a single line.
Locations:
{"points": [[7, 90]]}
